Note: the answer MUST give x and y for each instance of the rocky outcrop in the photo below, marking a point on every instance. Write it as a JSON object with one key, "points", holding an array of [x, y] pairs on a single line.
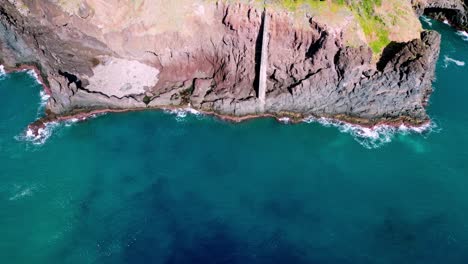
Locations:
{"points": [[454, 11], [214, 65]]}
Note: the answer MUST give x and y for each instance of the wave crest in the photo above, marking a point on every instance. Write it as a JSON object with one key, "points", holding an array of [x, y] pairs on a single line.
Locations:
{"points": [[448, 60], [463, 34], [371, 138], [39, 136], [34, 75], [182, 113]]}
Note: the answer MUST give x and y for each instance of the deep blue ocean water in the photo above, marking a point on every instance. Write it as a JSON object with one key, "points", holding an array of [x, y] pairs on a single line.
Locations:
{"points": [[152, 187]]}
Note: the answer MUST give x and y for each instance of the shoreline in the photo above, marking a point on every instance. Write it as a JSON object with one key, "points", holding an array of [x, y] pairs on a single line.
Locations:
{"points": [[41, 124], [284, 117], [34, 69], [449, 23]]}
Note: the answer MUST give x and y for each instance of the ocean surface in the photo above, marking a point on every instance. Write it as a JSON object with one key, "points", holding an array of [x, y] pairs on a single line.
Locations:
{"points": [[159, 187]]}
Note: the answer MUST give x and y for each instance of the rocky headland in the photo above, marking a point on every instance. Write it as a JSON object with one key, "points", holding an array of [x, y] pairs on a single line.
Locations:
{"points": [[454, 12], [360, 61]]}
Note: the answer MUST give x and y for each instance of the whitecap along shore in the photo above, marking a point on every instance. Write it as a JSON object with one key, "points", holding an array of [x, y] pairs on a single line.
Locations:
{"points": [[370, 136]]}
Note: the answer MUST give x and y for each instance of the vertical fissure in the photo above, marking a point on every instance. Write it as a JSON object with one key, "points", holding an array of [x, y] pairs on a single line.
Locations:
{"points": [[262, 71]]}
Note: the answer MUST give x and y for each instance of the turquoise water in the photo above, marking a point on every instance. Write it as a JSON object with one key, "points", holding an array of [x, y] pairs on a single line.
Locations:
{"points": [[151, 187]]}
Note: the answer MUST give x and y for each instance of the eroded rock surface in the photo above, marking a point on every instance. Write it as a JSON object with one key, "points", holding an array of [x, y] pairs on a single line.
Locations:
{"points": [[454, 11], [98, 54]]}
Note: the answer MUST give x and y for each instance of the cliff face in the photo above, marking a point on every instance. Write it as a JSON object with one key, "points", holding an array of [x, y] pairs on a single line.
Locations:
{"points": [[141, 54], [455, 11]]}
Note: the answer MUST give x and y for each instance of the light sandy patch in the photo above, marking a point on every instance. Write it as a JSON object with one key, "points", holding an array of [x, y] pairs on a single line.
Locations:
{"points": [[153, 16], [119, 77]]}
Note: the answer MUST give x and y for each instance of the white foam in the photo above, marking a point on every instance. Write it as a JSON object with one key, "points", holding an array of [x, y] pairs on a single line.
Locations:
{"points": [[2, 70], [34, 75], [446, 22], [370, 138], [42, 134], [72, 121], [427, 20], [193, 111], [44, 97], [23, 192], [463, 34], [285, 120], [448, 60], [181, 113]]}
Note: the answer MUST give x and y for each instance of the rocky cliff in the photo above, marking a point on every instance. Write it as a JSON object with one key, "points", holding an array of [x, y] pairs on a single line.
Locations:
{"points": [[454, 11], [98, 54]]}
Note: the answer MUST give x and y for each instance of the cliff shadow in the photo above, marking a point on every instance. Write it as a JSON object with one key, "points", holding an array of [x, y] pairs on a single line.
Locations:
{"points": [[441, 13], [390, 51]]}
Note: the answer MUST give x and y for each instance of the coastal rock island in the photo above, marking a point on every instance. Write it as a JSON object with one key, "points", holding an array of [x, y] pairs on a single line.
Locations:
{"points": [[359, 61]]}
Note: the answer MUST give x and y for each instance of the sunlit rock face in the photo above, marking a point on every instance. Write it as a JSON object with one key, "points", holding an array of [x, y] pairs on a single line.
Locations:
{"points": [[101, 54]]}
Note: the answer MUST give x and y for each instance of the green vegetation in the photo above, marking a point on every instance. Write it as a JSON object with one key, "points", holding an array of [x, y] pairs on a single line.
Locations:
{"points": [[95, 62], [185, 95], [374, 27], [146, 100]]}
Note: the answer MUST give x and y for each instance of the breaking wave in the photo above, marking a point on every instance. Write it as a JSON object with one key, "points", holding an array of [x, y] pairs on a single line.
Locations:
{"points": [[2, 70], [371, 138], [34, 75], [44, 97], [448, 60], [42, 134], [463, 34], [182, 113], [285, 120]]}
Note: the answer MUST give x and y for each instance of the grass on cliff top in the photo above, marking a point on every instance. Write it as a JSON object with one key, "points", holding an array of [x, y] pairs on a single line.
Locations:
{"points": [[372, 24]]}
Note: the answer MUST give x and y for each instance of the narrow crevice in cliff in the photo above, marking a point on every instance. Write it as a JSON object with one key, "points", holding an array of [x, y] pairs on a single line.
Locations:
{"points": [[132, 96], [258, 55], [299, 82], [316, 46]]}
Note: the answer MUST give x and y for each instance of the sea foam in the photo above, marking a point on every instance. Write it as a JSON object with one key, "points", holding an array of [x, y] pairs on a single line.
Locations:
{"points": [[285, 120], [2, 72], [22, 192], [44, 98], [42, 134], [374, 137], [426, 20], [448, 60], [34, 75], [463, 34], [181, 113]]}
